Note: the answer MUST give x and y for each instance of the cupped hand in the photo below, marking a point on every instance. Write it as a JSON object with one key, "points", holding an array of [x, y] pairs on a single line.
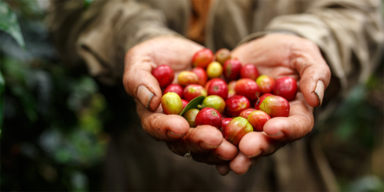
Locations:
{"points": [[278, 55], [205, 143]]}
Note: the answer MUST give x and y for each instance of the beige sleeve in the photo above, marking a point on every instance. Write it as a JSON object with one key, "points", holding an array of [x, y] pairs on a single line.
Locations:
{"points": [[348, 32], [102, 33]]}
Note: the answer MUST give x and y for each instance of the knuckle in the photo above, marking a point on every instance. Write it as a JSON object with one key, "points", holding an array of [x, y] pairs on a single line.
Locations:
{"points": [[154, 121]]}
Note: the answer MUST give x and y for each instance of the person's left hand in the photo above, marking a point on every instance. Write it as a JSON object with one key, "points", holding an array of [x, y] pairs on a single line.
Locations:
{"points": [[279, 55]]}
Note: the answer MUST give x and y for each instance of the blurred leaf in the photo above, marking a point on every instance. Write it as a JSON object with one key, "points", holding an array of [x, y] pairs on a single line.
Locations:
{"points": [[87, 3], [357, 95], [345, 129], [192, 104], [18, 75], [9, 23], [79, 181], [366, 183], [30, 8], [373, 81]]}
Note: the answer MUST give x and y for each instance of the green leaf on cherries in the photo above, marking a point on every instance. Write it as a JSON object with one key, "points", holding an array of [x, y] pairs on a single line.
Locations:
{"points": [[192, 104]]}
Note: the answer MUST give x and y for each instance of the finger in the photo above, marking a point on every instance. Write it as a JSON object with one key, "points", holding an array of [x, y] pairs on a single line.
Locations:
{"points": [[256, 144], [225, 152], [139, 82], [223, 168], [314, 73], [160, 126], [298, 124], [200, 140], [139, 61], [241, 164]]}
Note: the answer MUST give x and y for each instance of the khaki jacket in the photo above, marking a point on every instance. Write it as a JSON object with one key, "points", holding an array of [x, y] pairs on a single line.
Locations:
{"points": [[348, 32]]}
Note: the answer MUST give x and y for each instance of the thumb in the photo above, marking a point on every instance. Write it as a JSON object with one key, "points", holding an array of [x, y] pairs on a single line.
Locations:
{"points": [[139, 82], [314, 75]]}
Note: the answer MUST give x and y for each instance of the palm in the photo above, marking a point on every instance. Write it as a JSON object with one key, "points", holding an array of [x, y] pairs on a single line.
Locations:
{"points": [[174, 52]]}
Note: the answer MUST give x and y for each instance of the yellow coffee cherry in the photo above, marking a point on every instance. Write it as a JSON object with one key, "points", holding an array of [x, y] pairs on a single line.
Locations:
{"points": [[214, 70]]}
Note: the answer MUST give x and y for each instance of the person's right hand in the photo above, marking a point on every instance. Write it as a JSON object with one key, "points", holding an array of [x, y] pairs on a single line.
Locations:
{"points": [[205, 143], [279, 55]]}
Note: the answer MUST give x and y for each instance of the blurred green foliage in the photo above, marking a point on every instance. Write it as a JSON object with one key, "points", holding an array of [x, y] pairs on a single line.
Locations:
{"points": [[52, 123], [52, 136], [87, 3], [9, 24], [352, 137]]}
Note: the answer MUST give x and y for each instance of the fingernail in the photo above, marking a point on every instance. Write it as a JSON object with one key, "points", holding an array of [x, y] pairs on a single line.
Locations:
{"points": [[223, 169], [249, 166], [144, 95], [173, 135], [222, 158], [319, 91], [278, 134], [252, 163], [206, 146], [255, 155]]}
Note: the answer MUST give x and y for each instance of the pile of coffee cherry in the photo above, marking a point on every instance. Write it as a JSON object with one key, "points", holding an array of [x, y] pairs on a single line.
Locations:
{"points": [[221, 92]]}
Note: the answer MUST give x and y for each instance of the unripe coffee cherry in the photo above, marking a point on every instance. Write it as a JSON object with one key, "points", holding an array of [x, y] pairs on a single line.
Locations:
{"points": [[171, 103], [190, 116], [215, 102], [214, 70]]}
